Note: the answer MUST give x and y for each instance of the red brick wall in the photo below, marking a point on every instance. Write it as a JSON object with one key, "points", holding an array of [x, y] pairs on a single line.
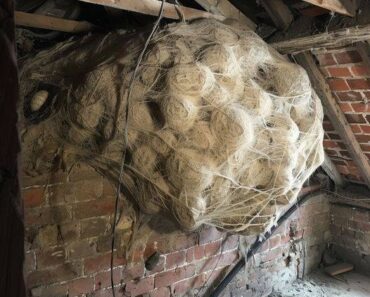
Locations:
{"points": [[350, 227], [349, 79], [68, 225]]}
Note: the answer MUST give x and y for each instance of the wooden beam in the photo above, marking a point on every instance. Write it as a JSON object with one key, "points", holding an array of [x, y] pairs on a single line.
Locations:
{"points": [[336, 116], [228, 10], [152, 7], [332, 39], [332, 171], [346, 7], [279, 13], [51, 23]]}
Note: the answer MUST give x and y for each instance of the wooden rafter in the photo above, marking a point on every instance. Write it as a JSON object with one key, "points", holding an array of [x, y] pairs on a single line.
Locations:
{"points": [[332, 171], [152, 7], [279, 13], [336, 116], [228, 10], [51, 23], [332, 39], [346, 7]]}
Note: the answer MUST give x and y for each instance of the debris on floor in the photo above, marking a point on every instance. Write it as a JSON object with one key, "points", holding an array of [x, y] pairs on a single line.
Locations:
{"points": [[318, 284]]}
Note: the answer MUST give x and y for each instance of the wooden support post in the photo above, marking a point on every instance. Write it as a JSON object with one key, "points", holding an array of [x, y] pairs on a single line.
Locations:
{"points": [[331, 170], [152, 7], [51, 23], [279, 13], [11, 206], [228, 10], [332, 39], [346, 7], [336, 116]]}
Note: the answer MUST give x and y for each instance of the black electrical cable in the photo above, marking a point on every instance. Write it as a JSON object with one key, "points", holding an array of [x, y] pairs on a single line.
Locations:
{"points": [[257, 244], [155, 27]]}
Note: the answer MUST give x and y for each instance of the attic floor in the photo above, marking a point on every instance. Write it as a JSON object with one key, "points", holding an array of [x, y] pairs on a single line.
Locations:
{"points": [[318, 284]]}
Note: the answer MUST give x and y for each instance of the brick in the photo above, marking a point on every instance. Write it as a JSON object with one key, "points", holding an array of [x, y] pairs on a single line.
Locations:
{"points": [[87, 190], [47, 215], [175, 259], [228, 258], [212, 248], [82, 172], [353, 118], [167, 278], [101, 262], [59, 194], [362, 226], [231, 242], [133, 271], [185, 241], [81, 286], [345, 107], [359, 84], [326, 59], [339, 71], [45, 179], [195, 253], [368, 118], [209, 234], [103, 279], [363, 138], [331, 152], [29, 262], [60, 273], [348, 57], [361, 216], [330, 144], [69, 231], [95, 227], [106, 293], [81, 249], [359, 70], [337, 84], [361, 107], [350, 96], [334, 136], [53, 290], [141, 286], [342, 169], [182, 287], [47, 236], [161, 292], [33, 197], [50, 257], [356, 129], [94, 208], [271, 255], [365, 129]]}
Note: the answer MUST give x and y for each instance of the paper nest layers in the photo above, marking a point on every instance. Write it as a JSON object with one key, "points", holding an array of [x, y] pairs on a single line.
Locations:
{"points": [[221, 129]]}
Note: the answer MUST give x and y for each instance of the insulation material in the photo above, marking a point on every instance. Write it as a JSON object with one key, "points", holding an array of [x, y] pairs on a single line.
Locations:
{"points": [[221, 129]]}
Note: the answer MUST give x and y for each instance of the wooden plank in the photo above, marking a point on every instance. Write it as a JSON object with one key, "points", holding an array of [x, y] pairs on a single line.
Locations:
{"points": [[332, 39], [11, 210], [336, 116], [346, 7], [331, 170], [51, 23], [228, 10], [279, 13], [152, 7], [339, 269]]}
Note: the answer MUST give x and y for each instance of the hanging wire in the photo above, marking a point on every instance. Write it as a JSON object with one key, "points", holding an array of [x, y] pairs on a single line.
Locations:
{"points": [[154, 29]]}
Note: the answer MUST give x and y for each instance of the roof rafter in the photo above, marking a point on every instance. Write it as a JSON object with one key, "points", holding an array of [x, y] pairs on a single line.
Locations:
{"points": [[346, 7]]}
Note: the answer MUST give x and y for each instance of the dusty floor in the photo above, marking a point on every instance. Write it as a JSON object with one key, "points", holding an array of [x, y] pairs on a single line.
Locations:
{"points": [[320, 285]]}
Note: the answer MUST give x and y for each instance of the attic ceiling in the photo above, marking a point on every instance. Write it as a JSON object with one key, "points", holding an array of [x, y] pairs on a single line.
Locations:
{"points": [[343, 67]]}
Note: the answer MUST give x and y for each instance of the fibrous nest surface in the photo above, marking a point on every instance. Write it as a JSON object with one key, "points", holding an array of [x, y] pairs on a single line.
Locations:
{"points": [[221, 129]]}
